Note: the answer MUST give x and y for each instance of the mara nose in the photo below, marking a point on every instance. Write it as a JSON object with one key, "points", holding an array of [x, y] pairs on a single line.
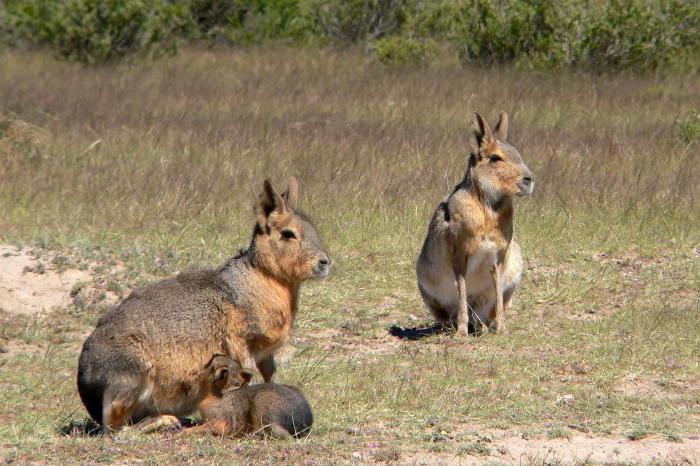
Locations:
{"points": [[324, 261], [528, 179]]}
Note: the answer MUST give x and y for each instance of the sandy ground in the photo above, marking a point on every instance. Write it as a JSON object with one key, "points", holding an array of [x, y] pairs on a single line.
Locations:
{"points": [[28, 287], [579, 449]]}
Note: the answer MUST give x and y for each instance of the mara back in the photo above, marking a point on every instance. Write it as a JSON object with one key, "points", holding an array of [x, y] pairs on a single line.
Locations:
{"points": [[278, 410], [148, 356], [470, 264]]}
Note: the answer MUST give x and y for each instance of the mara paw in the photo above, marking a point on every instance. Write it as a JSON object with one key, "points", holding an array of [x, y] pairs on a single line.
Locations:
{"points": [[497, 328], [159, 424]]}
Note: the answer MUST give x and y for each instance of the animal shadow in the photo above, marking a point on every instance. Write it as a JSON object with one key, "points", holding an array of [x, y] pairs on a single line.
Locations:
{"points": [[81, 428], [88, 428], [417, 333], [425, 331]]}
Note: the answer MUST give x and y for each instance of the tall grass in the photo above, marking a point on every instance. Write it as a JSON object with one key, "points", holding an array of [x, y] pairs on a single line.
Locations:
{"points": [[186, 143], [170, 157]]}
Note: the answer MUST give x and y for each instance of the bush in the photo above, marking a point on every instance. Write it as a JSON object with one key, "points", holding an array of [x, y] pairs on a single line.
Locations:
{"points": [[399, 50], [489, 31], [642, 34], [356, 20], [212, 17], [532, 30], [639, 34], [248, 21], [96, 31], [598, 35], [261, 20], [688, 127]]}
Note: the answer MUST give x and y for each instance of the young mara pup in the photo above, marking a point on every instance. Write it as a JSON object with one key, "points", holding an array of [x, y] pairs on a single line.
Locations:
{"points": [[281, 411], [145, 358], [469, 259]]}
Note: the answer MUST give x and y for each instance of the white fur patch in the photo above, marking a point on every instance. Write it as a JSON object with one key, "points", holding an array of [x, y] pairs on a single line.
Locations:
{"points": [[491, 193], [445, 291], [484, 258], [146, 393]]}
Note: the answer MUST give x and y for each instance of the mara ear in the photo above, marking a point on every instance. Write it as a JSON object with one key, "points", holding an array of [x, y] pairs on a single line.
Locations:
{"points": [[481, 135], [269, 202], [501, 128], [221, 378], [245, 376], [221, 374], [291, 196]]}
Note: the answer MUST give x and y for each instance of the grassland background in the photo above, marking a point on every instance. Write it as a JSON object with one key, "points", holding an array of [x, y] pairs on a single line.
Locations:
{"points": [[155, 166]]}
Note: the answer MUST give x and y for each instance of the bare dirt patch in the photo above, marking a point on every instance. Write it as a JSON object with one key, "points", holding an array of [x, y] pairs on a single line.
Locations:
{"points": [[510, 448], [342, 342], [28, 286]]}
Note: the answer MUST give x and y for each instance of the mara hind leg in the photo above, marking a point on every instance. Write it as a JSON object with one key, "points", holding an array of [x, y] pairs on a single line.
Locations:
{"points": [[276, 431], [114, 386], [128, 401], [121, 400], [507, 291], [441, 314], [506, 300], [508, 297]]}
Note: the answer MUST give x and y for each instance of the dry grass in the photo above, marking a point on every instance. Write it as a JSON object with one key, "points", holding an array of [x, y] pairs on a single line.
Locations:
{"points": [[155, 167]]}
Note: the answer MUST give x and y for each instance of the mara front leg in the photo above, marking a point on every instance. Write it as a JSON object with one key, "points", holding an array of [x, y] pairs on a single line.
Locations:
{"points": [[497, 312], [267, 368], [237, 349], [462, 306]]}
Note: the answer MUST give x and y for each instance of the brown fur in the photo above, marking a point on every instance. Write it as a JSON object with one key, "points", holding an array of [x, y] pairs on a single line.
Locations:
{"points": [[277, 410], [469, 258], [146, 357]]}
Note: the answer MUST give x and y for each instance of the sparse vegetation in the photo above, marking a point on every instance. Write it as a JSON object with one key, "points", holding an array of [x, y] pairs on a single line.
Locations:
{"points": [[637, 433], [689, 127], [559, 432], [141, 171], [475, 449]]}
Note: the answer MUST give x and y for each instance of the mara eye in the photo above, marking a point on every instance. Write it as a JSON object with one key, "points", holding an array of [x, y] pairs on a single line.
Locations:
{"points": [[495, 158], [288, 234]]}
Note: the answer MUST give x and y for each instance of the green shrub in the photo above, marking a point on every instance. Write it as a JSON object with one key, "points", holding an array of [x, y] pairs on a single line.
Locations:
{"points": [[640, 34], [96, 31], [490, 31], [637, 433], [523, 30], [599, 35], [356, 20], [594, 34], [688, 127], [247, 21], [211, 18], [400, 50], [28, 20], [260, 20]]}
